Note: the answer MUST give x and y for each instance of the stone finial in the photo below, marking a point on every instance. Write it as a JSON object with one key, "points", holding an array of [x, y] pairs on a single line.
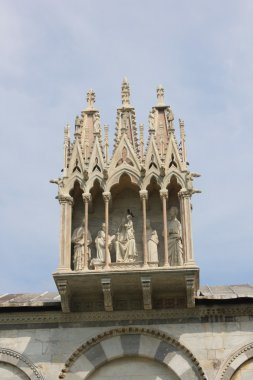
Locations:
{"points": [[160, 95], [91, 97], [125, 93]]}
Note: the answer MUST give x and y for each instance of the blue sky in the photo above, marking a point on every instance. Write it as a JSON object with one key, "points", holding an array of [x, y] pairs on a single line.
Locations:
{"points": [[52, 52]]}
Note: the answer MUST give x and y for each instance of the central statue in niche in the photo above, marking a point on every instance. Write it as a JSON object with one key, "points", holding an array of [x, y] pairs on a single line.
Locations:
{"points": [[125, 245]]}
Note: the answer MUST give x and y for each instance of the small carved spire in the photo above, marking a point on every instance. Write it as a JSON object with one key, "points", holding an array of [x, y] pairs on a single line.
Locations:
{"points": [[66, 148], [160, 95], [106, 129], [125, 93], [141, 141], [91, 97], [182, 137], [86, 144]]}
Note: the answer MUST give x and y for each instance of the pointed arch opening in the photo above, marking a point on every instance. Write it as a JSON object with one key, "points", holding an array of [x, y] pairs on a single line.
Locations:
{"points": [[173, 189]]}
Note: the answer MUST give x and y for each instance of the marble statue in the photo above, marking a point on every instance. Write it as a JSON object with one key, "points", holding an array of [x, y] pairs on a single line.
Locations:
{"points": [[170, 117], [125, 244], [78, 238], [96, 123], [153, 242], [151, 120], [100, 244], [175, 246]]}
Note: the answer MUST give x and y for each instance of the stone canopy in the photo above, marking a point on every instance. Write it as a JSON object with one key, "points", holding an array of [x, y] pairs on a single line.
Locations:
{"points": [[127, 214]]}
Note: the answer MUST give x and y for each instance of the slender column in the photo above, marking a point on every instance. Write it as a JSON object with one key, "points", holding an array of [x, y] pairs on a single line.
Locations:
{"points": [[107, 197], [66, 203], [86, 199], [185, 207], [164, 197], [144, 197]]}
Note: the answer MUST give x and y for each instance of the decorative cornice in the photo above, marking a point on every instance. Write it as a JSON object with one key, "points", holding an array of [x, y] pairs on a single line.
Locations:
{"points": [[205, 314]]}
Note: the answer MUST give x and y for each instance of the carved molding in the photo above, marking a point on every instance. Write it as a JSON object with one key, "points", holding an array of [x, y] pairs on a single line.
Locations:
{"points": [[164, 193], [183, 193], [146, 291], [62, 286], [229, 367], [86, 197], [212, 314], [63, 199], [106, 196], [106, 287], [159, 335], [190, 290], [13, 357], [143, 194]]}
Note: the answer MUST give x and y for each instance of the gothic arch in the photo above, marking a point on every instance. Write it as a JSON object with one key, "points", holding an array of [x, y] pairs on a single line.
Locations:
{"points": [[115, 178], [231, 365], [22, 362], [132, 341], [169, 176], [147, 180]]}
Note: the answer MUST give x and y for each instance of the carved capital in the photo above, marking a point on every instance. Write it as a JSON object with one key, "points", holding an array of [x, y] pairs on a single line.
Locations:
{"points": [[146, 292], [106, 196], [106, 287], [143, 194], [190, 290], [86, 197], [184, 193], [63, 288], [164, 193], [63, 199]]}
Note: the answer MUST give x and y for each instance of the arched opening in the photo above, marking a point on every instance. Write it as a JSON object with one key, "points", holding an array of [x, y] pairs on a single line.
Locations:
{"points": [[114, 353], [245, 371], [173, 189], [131, 368], [11, 372]]}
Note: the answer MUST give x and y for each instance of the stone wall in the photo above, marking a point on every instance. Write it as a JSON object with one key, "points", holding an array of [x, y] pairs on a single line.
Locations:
{"points": [[158, 350]]}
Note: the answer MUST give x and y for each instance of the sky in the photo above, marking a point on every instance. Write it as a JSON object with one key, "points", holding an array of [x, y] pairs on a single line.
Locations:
{"points": [[52, 52]]}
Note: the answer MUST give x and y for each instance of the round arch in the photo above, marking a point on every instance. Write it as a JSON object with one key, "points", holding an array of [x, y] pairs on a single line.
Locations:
{"points": [[236, 360], [136, 342], [22, 362]]}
